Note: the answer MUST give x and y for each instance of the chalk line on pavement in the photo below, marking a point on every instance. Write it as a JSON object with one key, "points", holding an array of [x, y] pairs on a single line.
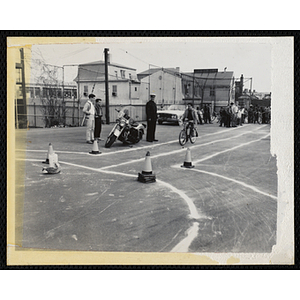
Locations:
{"points": [[174, 151], [126, 150]]}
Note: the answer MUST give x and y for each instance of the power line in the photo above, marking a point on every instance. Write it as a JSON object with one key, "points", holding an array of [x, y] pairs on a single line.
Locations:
{"points": [[138, 58]]}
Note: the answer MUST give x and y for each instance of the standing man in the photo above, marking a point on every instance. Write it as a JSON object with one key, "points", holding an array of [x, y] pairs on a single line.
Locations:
{"points": [[199, 116], [234, 111], [250, 114], [228, 117], [205, 114], [209, 113], [98, 120], [151, 114], [222, 117], [89, 111]]}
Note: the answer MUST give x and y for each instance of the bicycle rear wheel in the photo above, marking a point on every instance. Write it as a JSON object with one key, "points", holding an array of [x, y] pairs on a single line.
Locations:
{"points": [[182, 138], [193, 135]]}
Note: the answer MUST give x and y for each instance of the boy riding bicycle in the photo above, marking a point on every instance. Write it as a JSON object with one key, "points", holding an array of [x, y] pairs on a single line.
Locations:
{"points": [[190, 116]]}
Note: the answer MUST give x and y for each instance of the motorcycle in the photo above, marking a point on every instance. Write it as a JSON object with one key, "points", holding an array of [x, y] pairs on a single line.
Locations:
{"points": [[124, 131]]}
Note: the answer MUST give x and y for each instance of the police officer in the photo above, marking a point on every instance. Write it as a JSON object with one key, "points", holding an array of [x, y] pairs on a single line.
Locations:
{"points": [[151, 114]]}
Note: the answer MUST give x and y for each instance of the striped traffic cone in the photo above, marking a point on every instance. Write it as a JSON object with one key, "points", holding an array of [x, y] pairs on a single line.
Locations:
{"points": [[147, 176], [95, 148], [54, 167], [188, 159], [50, 151]]}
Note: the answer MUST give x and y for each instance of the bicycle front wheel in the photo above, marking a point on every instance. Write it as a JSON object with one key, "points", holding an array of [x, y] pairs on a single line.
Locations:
{"points": [[193, 136], [182, 138]]}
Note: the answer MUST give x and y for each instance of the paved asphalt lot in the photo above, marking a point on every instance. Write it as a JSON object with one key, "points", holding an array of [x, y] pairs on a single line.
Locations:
{"points": [[226, 203]]}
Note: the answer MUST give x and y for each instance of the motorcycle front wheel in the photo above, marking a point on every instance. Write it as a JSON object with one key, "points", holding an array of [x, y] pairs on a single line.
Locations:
{"points": [[110, 140], [182, 138]]}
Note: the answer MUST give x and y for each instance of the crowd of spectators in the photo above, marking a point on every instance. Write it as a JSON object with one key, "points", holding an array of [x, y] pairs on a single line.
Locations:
{"points": [[235, 115]]}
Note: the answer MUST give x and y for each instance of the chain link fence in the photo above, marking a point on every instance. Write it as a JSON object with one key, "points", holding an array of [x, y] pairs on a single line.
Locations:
{"points": [[67, 115]]}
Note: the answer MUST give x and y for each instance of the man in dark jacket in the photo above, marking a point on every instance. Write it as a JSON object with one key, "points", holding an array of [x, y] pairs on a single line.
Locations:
{"points": [[228, 115], [98, 120], [223, 117], [151, 114]]}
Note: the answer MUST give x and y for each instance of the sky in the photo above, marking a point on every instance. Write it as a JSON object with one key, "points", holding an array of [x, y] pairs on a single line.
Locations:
{"points": [[248, 56]]}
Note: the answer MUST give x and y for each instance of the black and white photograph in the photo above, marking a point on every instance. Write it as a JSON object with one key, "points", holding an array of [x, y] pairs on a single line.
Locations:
{"points": [[150, 150]]}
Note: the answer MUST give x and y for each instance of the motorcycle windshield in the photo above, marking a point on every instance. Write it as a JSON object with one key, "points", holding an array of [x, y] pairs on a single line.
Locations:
{"points": [[131, 111]]}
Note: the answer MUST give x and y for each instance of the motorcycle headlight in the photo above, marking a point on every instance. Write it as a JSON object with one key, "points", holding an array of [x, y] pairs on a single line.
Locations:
{"points": [[158, 115]]}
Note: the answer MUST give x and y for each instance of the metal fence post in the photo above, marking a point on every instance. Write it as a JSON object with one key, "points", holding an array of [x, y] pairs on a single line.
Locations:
{"points": [[34, 114]]}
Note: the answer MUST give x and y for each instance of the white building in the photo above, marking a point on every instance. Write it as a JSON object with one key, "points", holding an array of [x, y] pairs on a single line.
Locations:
{"points": [[164, 82], [123, 84]]}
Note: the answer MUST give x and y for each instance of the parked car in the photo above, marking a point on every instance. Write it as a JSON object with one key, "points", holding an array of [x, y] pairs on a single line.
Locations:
{"points": [[171, 115]]}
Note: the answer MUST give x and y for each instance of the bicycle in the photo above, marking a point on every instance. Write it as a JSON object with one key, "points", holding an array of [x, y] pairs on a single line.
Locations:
{"points": [[213, 116], [188, 132]]}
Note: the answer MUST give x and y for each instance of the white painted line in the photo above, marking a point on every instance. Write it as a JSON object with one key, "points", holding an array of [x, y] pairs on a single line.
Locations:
{"points": [[164, 153], [184, 245], [189, 201], [153, 145], [175, 151], [236, 181], [224, 177], [56, 151], [193, 210], [230, 149]]}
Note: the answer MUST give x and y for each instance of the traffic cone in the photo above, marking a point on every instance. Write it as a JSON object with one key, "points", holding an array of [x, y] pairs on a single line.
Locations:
{"points": [[147, 176], [95, 148], [54, 167], [50, 151], [188, 160]]}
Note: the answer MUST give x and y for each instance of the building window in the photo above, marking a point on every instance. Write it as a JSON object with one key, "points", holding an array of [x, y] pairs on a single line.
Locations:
{"points": [[67, 93], [31, 90], [116, 74], [130, 76], [122, 72], [186, 90], [45, 92], [18, 75], [114, 90], [37, 91], [59, 93], [20, 92], [212, 91], [135, 89]]}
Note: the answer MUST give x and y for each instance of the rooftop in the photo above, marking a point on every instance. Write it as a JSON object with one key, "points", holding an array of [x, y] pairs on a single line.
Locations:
{"points": [[101, 62]]}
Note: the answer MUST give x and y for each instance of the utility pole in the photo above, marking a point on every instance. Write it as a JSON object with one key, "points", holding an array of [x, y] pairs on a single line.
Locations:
{"points": [[63, 94], [193, 87], [106, 86], [23, 109], [78, 96], [63, 84]]}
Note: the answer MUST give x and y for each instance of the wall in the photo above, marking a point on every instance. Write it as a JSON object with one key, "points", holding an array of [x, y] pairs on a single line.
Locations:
{"points": [[167, 88], [93, 77], [221, 98]]}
